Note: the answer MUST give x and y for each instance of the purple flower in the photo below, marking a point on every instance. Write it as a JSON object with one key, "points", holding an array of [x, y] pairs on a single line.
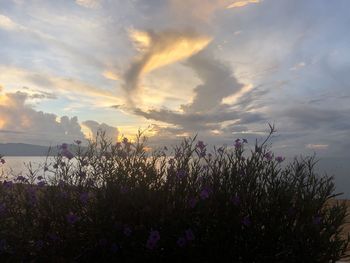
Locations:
{"points": [[84, 197], [2, 161], [114, 248], [204, 194], [21, 178], [78, 142], [203, 153], [279, 159], [246, 221], [181, 174], [238, 144], [2, 209], [39, 244], [153, 239], [7, 184], [61, 183], [200, 145], [127, 231], [236, 200], [3, 244], [66, 153], [124, 189], [151, 244], [192, 202], [181, 242], [317, 220], [103, 242], [72, 218], [64, 146], [53, 237], [154, 235], [189, 235], [268, 156], [32, 195], [41, 183]]}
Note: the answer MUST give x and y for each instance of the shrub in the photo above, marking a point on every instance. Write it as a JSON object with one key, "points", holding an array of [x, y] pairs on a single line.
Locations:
{"points": [[119, 202]]}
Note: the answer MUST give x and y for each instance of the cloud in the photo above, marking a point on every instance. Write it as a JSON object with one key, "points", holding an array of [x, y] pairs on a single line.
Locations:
{"points": [[207, 113], [95, 127], [22, 123], [238, 4], [7, 23], [108, 74], [217, 79], [158, 50], [63, 86], [317, 146], [197, 10], [89, 3]]}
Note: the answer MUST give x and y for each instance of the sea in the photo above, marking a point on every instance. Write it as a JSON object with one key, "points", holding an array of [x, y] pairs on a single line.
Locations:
{"points": [[339, 168]]}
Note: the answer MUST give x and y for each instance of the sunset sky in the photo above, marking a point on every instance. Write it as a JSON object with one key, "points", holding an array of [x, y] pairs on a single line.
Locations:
{"points": [[219, 68]]}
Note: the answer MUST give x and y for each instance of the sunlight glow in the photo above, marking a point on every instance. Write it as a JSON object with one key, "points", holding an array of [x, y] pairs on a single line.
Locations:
{"points": [[243, 3]]}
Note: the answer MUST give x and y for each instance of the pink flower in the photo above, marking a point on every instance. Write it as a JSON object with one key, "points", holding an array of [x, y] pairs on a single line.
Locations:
{"points": [[2, 161]]}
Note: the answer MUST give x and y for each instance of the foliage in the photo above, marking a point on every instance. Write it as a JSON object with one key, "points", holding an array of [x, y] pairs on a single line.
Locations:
{"points": [[118, 201]]}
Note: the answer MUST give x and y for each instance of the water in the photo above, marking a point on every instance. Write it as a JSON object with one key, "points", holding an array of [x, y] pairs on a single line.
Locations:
{"points": [[339, 167], [16, 165]]}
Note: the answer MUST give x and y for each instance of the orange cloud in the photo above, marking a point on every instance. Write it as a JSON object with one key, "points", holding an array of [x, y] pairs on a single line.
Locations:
{"points": [[243, 3], [159, 50]]}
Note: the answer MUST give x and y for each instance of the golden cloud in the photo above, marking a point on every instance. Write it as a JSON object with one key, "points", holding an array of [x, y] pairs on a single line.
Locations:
{"points": [[160, 49], [243, 3]]}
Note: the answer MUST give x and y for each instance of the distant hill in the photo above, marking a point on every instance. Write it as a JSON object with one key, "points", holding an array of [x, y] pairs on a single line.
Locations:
{"points": [[23, 149]]}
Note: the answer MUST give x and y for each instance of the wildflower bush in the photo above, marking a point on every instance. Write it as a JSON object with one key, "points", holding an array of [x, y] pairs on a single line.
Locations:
{"points": [[111, 201]]}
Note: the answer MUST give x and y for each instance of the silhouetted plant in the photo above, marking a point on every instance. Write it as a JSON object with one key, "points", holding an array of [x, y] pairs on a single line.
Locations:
{"points": [[116, 201]]}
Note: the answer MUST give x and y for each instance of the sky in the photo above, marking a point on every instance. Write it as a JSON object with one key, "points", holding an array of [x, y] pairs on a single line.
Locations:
{"points": [[222, 69]]}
